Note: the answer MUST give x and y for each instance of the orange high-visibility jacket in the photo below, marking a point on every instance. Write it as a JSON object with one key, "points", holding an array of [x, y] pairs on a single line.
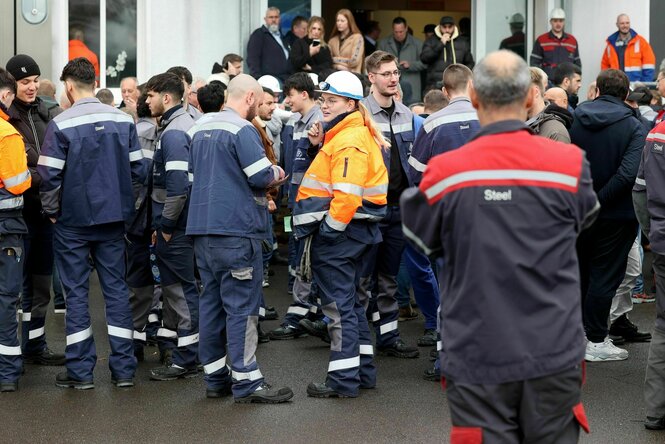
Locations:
{"points": [[639, 59], [347, 180], [14, 175]]}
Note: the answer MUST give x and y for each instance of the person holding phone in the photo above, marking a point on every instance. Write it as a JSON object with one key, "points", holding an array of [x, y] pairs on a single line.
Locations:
{"points": [[312, 54]]}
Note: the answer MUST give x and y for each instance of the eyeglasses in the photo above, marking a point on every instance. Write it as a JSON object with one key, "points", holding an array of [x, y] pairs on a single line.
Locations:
{"points": [[386, 75]]}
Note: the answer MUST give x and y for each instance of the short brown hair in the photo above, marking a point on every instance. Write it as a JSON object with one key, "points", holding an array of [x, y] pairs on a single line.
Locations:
{"points": [[456, 77], [434, 101], [378, 58]]}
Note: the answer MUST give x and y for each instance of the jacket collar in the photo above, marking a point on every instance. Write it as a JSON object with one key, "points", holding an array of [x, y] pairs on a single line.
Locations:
{"points": [[564, 35], [438, 33], [171, 114], [503, 126], [3, 112], [353, 119], [85, 101], [374, 108]]}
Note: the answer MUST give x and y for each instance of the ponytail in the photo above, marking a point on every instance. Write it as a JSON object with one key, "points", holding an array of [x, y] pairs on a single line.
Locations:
{"points": [[374, 130]]}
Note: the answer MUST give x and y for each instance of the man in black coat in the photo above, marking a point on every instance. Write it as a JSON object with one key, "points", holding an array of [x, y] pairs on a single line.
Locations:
{"points": [[610, 133], [267, 52]]}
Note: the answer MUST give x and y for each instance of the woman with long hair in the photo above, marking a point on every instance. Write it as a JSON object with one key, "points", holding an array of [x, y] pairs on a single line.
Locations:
{"points": [[312, 54], [347, 45], [340, 201]]}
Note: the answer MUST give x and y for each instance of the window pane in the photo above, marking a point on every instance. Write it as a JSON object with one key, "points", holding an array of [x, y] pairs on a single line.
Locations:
{"points": [[506, 26], [120, 41], [84, 16], [289, 9]]}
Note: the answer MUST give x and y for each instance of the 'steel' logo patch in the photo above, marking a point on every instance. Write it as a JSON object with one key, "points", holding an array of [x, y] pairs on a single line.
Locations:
{"points": [[498, 196]]}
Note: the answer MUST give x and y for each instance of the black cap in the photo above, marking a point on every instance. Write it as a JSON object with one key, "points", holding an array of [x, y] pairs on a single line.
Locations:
{"points": [[22, 66], [641, 95], [429, 28], [447, 20]]}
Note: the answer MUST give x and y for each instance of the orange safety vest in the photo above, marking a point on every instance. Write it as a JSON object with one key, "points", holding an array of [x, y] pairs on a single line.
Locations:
{"points": [[14, 174], [347, 180], [639, 59]]}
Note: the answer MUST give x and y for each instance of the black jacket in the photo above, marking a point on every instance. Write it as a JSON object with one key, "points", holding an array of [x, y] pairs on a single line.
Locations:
{"points": [[299, 57], [31, 120], [266, 57], [438, 57], [611, 134]]}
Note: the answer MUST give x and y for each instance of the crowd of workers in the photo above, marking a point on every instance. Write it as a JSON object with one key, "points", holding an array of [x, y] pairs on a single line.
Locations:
{"points": [[172, 199]]}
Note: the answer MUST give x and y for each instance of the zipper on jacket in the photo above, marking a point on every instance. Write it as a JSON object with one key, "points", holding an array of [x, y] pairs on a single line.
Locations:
{"points": [[34, 131], [346, 166]]}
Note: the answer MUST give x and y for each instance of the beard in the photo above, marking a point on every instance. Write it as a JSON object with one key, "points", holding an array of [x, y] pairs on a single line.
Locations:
{"points": [[273, 28]]}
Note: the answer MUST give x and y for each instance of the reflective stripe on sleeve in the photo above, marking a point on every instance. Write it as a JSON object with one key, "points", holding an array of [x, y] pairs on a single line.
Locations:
{"points": [[79, 336], [416, 240], [418, 166], [343, 364], [257, 166], [135, 155], [120, 332], [176, 165], [51, 162], [249, 376], [348, 188], [16, 180], [215, 366], [335, 224], [308, 182], [12, 202], [307, 218]]}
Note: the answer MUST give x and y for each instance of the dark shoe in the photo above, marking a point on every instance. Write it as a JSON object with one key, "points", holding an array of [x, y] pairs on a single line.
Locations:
{"points": [[59, 308], [629, 331], [654, 423], [122, 383], [65, 381], [617, 340], [263, 336], [428, 339], [321, 390], [433, 355], [278, 259], [172, 372], [265, 394], [399, 350], [271, 314], [6, 387], [46, 357], [432, 374], [287, 332], [407, 314], [219, 392], [316, 328]]}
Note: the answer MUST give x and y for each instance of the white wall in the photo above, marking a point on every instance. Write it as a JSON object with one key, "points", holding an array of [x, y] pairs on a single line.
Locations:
{"points": [[592, 21]]}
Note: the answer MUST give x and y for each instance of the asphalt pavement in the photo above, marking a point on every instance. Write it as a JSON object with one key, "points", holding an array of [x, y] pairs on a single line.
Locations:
{"points": [[403, 407]]}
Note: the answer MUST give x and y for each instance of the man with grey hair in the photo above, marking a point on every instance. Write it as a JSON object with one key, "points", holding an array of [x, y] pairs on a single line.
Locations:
{"points": [[267, 52], [519, 199]]}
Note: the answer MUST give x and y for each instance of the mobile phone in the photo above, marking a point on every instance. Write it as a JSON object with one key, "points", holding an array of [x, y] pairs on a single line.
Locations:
{"points": [[316, 42]]}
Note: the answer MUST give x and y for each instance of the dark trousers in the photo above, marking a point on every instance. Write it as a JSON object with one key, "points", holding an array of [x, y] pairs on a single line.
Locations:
{"points": [[539, 411], [140, 282], [106, 245], [11, 269], [602, 250], [654, 383], [36, 295]]}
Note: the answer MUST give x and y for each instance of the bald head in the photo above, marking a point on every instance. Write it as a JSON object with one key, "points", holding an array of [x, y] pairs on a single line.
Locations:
{"points": [[557, 96], [502, 79], [245, 95]]}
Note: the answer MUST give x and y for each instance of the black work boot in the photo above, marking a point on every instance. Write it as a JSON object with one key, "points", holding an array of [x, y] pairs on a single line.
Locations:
{"points": [[65, 381], [625, 328], [46, 357], [265, 394], [172, 372], [321, 390], [399, 350], [287, 332], [316, 328]]}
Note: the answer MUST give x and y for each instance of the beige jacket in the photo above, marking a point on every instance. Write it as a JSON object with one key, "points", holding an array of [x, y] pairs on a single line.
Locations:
{"points": [[348, 55]]}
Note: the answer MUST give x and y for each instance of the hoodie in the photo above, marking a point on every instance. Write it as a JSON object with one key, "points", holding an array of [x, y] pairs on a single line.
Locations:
{"points": [[611, 134], [553, 123], [438, 56]]}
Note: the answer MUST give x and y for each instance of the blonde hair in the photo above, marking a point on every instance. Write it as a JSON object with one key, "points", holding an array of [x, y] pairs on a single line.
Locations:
{"points": [[373, 127], [322, 22]]}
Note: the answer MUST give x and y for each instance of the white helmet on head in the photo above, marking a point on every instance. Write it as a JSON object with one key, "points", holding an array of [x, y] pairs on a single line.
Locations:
{"points": [[558, 13], [271, 83], [344, 84]]}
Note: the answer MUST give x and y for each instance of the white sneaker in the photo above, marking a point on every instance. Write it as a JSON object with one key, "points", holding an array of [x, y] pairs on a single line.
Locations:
{"points": [[604, 351]]}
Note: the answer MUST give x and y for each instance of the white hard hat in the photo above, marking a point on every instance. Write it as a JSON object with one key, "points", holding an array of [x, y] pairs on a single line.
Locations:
{"points": [[270, 82], [558, 13], [314, 76], [344, 84]]}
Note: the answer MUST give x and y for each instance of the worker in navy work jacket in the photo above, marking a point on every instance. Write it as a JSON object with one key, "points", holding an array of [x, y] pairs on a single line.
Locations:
{"points": [[513, 342], [228, 220], [445, 130], [179, 336], [91, 164], [381, 265]]}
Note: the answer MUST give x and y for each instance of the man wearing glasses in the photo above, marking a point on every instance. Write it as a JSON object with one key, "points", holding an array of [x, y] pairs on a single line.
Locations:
{"points": [[380, 270], [555, 47]]}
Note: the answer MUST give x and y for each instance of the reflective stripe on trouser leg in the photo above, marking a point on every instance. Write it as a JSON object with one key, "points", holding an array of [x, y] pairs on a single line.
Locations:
{"points": [[11, 267], [387, 331], [335, 270], [109, 257], [301, 293], [175, 260], [33, 337], [232, 286]]}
